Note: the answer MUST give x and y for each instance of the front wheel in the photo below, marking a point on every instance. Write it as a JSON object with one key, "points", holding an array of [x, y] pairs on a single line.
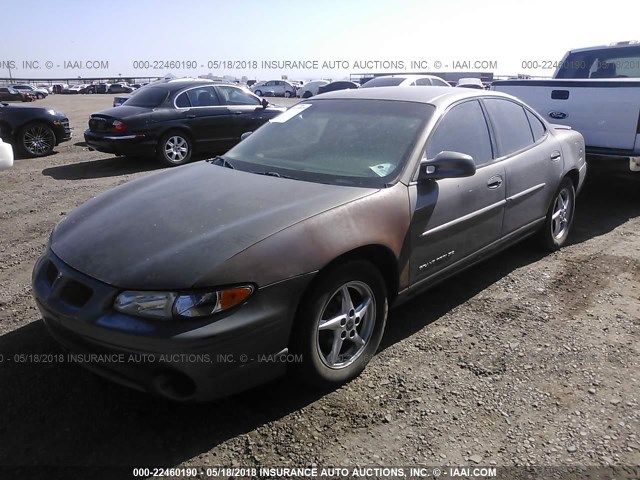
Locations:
{"points": [[174, 149], [287, 94], [557, 225], [340, 324], [258, 93], [36, 140]]}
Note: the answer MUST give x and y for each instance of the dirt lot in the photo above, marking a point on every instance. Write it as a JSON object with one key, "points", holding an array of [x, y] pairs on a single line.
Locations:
{"points": [[527, 359]]}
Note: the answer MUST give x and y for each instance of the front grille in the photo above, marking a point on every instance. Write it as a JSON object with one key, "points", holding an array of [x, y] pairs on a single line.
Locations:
{"points": [[62, 285], [67, 128], [75, 294], [50, 273]]}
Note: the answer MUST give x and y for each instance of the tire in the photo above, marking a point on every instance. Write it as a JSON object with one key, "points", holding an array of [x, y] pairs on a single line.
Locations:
{"points": [[258, 93], [36, 140], [287, 94], [307, 94], [555, 231], [336, 351], [175, 148]]}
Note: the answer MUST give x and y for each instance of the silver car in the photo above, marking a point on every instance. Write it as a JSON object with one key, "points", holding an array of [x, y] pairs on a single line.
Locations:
{"points": [[274, 88], [406, 81], [298, 238]]}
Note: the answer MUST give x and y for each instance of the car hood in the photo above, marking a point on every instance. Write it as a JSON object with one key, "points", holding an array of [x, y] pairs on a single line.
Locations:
{"points": [[32, 109], [167, 230]]}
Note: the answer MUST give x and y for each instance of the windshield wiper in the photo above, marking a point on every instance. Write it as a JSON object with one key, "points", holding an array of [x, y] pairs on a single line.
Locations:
{"points": [[274, 174], [222, 162]]}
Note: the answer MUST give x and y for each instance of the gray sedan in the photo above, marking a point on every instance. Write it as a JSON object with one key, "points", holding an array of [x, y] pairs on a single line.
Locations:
{"points": [[286, 253]]}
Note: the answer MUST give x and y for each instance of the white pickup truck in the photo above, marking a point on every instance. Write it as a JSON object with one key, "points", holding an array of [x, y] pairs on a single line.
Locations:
{"points": [[595, 91]]}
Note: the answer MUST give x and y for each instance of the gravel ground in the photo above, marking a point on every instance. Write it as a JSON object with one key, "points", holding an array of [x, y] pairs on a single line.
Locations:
{"points": [[527, 359]]}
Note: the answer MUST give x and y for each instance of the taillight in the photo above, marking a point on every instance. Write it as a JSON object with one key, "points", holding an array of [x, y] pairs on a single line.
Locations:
{"points": [[118, 126]]}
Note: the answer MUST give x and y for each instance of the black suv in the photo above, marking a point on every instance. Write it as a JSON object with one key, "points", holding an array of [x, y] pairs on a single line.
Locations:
{"points": [[33, 131]]}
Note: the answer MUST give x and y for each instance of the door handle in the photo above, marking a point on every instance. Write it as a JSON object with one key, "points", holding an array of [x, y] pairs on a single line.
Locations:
{"points": [[237, 113], [191, 116], [555, 155], [494, 182]]}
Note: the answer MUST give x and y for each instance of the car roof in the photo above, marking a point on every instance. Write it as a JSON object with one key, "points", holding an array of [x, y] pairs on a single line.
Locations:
{"points": [[407, 76], [174, 86], [621, 45], [438, 96]]}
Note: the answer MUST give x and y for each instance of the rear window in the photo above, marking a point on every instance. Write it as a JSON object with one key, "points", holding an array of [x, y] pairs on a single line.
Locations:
{"points": [[384, 82], [149, 97], [615, 62]]}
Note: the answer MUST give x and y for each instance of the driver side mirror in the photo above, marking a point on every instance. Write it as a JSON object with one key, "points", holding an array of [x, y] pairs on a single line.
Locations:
{"points": [[265, 103], [245, 135], [447, 165], [6, 155]]}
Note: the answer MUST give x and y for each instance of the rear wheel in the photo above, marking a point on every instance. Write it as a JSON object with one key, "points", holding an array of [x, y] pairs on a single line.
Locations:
{"points": [[258, 93], [340, 324], [557, 225], [287, 94], [36, 140], [174, 149]]}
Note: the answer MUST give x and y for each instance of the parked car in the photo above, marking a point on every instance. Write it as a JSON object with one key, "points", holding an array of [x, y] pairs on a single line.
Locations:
{"points": [[470, 82], [33, 131], [120, 88], [11, 94], [275, 88], [310, 89], [89, 89], [405, 81], [298, 238], [175, 119], [59, 87], [74, 89], [102, 88], [36, 92], [47, 88], [595, 91], [6, 155], [339, 85]]}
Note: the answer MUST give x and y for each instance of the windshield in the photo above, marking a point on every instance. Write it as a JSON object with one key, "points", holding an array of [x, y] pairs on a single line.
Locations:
{"points": [[343, 142], [384, 82], [150, 97]]}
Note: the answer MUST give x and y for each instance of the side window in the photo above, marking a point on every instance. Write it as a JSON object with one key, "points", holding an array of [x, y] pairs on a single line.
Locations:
{"points": [[203, 97], [183, 101], [511, 125], [423, 82], [463, 129], [439, 83], [537, 127], [235, 96], [270, 84]]}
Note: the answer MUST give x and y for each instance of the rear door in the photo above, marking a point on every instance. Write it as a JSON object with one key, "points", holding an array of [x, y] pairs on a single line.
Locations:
{"points": [[532, 159], [456, 218]]}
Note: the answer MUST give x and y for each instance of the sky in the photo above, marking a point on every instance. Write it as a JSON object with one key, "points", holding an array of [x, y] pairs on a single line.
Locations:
{"points": [[331, 38]]}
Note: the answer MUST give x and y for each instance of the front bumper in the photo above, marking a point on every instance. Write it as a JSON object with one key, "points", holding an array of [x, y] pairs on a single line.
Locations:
{"points": [[182, 361], [127, 145]]}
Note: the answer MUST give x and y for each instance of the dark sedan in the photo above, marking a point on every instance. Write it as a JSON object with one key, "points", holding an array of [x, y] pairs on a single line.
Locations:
{"points": [[288, 250], [11, 94], [33, 131], [173, 120]]}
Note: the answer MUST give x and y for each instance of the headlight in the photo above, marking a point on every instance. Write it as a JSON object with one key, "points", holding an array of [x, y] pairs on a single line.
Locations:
{"points": [[176, 305]]}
